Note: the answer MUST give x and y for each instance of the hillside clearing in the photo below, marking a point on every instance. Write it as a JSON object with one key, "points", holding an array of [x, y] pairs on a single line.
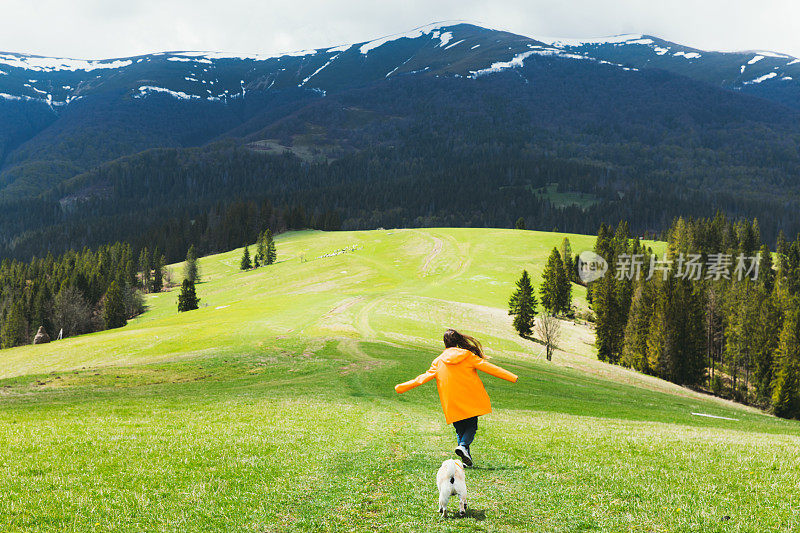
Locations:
{"points": [[271, 408]]}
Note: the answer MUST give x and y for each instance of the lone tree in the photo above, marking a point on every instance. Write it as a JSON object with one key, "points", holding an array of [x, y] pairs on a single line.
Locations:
{"points": [[520, 224], [548, 328], [114, 314], [187, 299], [246, 264], [555, 290], [522, 305], [191, 269]]}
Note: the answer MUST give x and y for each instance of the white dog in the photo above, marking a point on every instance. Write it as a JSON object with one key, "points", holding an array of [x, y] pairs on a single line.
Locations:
{"points": [[451, 480]]}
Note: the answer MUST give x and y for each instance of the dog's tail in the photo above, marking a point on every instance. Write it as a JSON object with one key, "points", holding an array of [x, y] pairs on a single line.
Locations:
{"points": [[451, 471]]}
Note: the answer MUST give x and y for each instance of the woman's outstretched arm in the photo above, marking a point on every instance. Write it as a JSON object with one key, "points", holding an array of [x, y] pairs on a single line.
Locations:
{"points": [[485, 366], [417, 381]]}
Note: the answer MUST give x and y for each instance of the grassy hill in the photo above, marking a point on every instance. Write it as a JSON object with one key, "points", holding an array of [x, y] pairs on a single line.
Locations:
{"points": [[271, 408]]}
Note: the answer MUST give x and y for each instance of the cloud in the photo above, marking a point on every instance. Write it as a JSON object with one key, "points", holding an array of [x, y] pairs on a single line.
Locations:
{"points": [[103, 28]]}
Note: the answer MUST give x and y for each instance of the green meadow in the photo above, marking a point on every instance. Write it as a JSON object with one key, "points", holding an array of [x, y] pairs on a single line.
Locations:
{"points": [[271, 408]]}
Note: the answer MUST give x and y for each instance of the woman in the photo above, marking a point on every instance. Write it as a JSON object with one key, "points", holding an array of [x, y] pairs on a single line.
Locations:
{"points": [[461, 391]]}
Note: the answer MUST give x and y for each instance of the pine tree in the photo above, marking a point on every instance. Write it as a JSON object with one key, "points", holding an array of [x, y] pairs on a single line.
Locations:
{"points": [[129, 263], [766, 274], [43, 309], [555, 290], [15, 328], [245, 263], [739, 330], [637, 330], [769, 322], [607, 323], [786, 394], [522, 305], [661, 337], [114, 315], [676, 340], [271, 254], [689, 334], [145, 266], [782, 251], [520, 224], [261, 250], [191, 268], [158, 272], [566, 257], [187, 299]]}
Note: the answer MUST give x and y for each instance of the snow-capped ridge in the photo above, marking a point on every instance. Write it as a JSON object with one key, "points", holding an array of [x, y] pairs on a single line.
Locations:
{"points": [[449, 48], [413, 34], [51, 64], [560, 42]]}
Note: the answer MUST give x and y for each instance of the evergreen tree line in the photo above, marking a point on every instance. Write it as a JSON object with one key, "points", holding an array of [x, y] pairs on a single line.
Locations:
{"points": [[737, 338], [220, 196], [77, 292]]}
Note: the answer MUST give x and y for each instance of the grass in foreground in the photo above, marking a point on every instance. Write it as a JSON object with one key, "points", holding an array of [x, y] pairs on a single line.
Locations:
{"points": [[272, 409]]}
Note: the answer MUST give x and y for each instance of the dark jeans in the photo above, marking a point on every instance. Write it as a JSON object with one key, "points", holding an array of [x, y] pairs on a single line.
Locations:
{"points": [[465, 430]]}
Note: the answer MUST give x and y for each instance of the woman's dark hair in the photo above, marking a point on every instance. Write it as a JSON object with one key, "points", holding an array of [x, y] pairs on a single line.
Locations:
{"points": [[454, 339]]}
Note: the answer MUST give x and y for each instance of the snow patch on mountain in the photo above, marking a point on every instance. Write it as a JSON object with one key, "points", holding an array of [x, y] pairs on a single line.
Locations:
{"points": [[413, 34], [687, 55], [761, 78], [499, 66], [146, 90], [318, 70]]}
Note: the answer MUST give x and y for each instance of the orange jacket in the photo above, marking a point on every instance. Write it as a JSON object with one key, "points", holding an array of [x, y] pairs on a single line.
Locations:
{"points": [[460, 389]]}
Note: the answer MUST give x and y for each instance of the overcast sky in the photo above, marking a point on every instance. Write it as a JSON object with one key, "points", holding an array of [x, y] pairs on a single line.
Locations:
{"points": [[115, 28]]}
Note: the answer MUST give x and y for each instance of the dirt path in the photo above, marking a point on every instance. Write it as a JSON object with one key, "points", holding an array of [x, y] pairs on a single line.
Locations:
{"points": [[361, 322], [345, 305], [438, 244]]}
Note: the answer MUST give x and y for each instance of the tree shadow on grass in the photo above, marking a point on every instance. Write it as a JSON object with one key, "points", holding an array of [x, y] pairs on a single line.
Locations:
{"points": [[532, 339]]}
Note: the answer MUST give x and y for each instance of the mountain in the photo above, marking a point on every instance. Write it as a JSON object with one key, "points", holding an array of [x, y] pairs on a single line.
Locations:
{"points": [[384, 132], [762, 73]]}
